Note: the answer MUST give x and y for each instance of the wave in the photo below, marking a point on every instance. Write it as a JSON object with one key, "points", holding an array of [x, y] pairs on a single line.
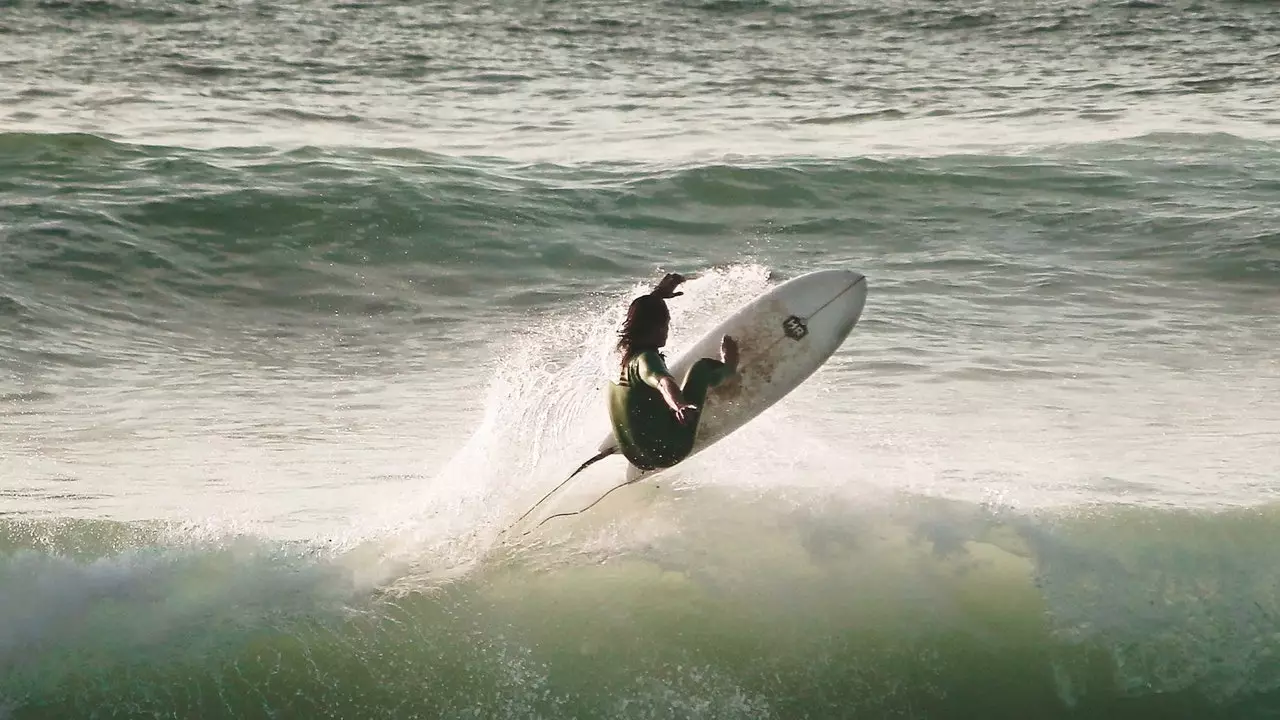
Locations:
{"points": [[712, 605], [115, 236]]}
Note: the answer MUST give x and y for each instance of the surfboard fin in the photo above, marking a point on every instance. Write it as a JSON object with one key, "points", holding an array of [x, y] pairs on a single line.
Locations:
{"points": [[596, 458]]}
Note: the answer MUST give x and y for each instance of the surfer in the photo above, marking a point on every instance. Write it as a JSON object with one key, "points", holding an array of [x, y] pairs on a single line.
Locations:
{"points": [[655, 420]]}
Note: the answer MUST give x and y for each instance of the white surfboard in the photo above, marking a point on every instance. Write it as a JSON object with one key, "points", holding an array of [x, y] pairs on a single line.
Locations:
{"points": [[783, 336]]}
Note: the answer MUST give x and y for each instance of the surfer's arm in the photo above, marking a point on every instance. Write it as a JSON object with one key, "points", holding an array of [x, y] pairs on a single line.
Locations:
{"points": [[654, 373]]}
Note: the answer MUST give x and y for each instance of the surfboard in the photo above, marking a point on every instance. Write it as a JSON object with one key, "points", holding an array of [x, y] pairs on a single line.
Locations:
{"points": [[784, 335]]}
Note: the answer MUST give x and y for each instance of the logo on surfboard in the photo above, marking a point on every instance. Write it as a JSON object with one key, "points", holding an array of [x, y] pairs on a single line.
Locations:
{"points": [[794, 328]]}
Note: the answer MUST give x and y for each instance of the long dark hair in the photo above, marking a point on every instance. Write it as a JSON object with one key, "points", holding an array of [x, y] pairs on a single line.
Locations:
{"points": [[646, 315]]}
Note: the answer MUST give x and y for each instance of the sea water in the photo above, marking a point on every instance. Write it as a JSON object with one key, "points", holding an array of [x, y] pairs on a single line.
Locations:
{"points": [[303, 304]]}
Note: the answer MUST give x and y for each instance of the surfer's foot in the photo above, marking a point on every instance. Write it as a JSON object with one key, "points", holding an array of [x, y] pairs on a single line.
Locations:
{"points": [[729, 352]]}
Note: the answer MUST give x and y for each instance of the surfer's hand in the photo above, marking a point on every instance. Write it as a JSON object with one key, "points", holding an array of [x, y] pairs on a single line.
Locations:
{"points": [[667, 285], [685, 412]]}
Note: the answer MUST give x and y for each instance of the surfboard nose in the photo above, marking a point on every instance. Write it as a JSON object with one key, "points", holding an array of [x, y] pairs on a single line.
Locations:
{"points": [[855, 277], [831, 277], [836, 282], [857, 292]]}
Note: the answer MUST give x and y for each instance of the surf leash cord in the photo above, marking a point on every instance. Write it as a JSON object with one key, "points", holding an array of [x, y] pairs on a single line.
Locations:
{"points": [[596, 458], [577, 512]]}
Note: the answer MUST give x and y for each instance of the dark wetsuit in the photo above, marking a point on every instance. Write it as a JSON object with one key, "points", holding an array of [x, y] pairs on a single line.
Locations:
{"points": [[647, 431]]}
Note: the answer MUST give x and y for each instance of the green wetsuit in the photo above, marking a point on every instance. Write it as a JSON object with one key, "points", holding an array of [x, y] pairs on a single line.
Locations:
{"points": [[647, 431]]}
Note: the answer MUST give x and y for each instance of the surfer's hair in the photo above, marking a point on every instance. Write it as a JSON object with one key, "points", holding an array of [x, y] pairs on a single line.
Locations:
{"points": [[647, 314]]}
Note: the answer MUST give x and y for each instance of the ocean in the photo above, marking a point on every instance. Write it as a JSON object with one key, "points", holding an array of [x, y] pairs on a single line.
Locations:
{"points": [[302, 304]]}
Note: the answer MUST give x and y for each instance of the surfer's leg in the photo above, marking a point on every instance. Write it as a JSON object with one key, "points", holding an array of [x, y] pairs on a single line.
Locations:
{"points": [[676, 441], [704, 375], [653, 438]]}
